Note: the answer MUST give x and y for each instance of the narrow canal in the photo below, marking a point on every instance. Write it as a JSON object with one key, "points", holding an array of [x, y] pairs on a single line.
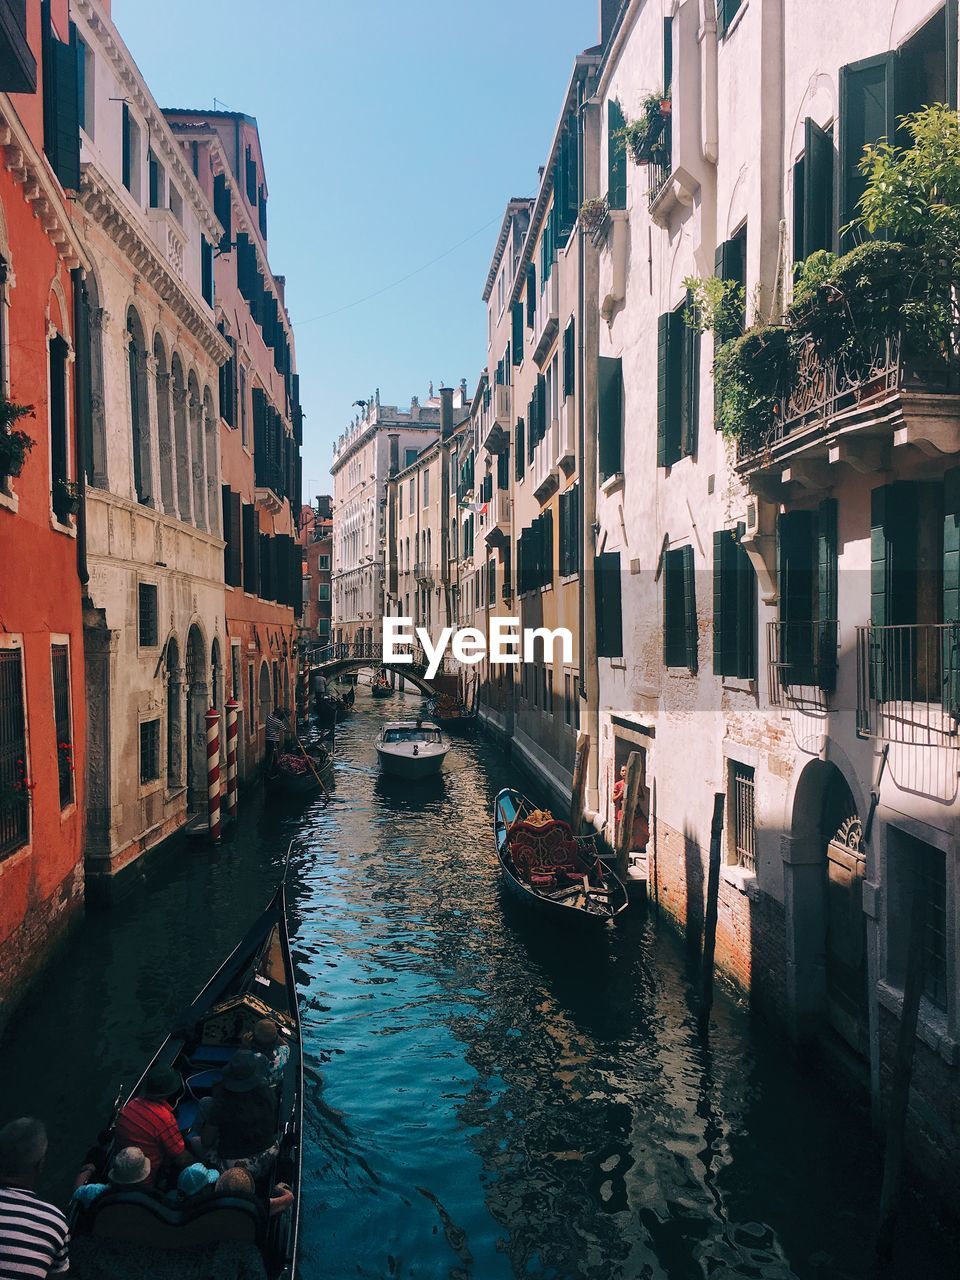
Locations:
{"points": [[483, 1099]]}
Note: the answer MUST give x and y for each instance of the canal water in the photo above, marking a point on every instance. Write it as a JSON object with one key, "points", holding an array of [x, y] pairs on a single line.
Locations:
{"points": [[483, 1098]]}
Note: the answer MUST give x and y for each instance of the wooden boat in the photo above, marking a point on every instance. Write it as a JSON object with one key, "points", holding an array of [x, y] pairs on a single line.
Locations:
{"points": [[451, 713], [545, 866], [411, 749], [333, 708], [255, 981], [380, 687], [292, 775]]}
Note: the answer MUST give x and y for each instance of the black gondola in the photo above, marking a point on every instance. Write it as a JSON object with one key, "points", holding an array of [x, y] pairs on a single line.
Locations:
{"points": [[255, 981], [550, 870], [332, 708], [380, 686], [451, 714], [285, 778]]}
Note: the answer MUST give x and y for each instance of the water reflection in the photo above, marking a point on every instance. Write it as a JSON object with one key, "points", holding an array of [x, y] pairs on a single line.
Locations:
{"points": [[482, 1097]]}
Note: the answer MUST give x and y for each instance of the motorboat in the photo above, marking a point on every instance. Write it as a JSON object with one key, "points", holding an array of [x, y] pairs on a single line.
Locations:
{"points": [[411, 748]]}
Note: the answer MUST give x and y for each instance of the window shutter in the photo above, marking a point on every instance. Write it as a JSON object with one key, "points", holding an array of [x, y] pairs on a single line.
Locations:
{"points": [[206, 270], [827, 572], [866, 116], [688, 340], [795, 550], [125, 160], [541, 407], [608, 609], [724, 604], [251, 549], [746, 645], [573, 529], [223, 209], [610, 416], [569, 359], [516, 315], [689, 608], [674, 638], [518, 450], [547, 553], [616, 157], [66, 112], [817, 188], [531, 295], [668, 391]]}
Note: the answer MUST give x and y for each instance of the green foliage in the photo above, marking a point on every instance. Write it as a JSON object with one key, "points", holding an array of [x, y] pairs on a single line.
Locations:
{"points": [[715, 305], [592, 213], [14, 445], [642, 136], [750, 375]]}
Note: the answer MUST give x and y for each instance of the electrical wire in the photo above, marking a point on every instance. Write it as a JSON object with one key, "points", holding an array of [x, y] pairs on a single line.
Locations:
{"points": [[298, 324]]}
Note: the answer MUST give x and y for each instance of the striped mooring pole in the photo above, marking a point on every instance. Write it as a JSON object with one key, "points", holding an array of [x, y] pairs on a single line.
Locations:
{"points": [[232, 707], [213, 773]]}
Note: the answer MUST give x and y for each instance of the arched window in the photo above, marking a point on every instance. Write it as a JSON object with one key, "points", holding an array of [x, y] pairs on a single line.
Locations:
{"points": [[263, 692], [210, 428], [139, 409], [164, 434], [181, 436], [198, 451]]}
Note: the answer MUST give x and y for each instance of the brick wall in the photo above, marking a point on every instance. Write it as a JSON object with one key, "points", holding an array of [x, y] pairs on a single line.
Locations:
{"points": [[27, 949]]}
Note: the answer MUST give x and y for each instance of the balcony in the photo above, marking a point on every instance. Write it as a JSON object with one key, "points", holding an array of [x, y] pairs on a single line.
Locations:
{"points": [[423, 574], [495, 426], [567, 447], [853, 407], [908, 684], [268, 485], [546, 472], [802, 663], [497, 525], [546, 321]]}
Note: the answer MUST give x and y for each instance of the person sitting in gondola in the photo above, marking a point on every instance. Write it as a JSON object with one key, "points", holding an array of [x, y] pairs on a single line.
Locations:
{"points": [[264, 1040], [129, 1170], [238, 1122], [238, 1182], [148, 1122]]}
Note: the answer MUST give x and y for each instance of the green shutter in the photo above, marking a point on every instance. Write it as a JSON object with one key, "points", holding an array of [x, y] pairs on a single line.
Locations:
{"points": [[795, 548], [688, 340], [518, 450], [516, 312], [827, 604], [674, 628], [799, 206], [669, 374], [817, 189], [746, 643], [125, 147], [690, 631], [721, 605], [569, 359], [616, 157], [734, 608], [866, 115], [610, 416], [608, 606], [531, 295]]}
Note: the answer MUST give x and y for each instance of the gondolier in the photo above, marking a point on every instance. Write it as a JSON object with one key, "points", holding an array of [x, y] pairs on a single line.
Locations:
{"points": [[275, 731]]}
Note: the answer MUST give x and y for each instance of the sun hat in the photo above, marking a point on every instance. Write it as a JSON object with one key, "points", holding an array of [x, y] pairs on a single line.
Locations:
{"points": [[195, 1177], [129, 1166], [160, 1082], [265, 1033], [245, 1071]]}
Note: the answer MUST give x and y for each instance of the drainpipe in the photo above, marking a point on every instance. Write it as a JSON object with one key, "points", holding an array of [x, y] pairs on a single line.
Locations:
{"points": [[709, 127], [82, 411], [588, 341]]}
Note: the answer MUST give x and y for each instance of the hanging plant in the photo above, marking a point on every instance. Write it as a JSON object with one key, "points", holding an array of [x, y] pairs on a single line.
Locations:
{"points": [[643, 135], [14, 445], [592, 214], [67, 498]]}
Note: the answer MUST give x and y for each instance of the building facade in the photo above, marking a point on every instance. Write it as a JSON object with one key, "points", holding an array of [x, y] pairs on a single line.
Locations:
{"points": [[260, 426], [316, 540], [42, 711], [154, 633]]}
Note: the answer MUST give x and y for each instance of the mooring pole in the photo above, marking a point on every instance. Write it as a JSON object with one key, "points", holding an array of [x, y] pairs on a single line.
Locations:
{"points": [[710, 913], [579, 782], [232, 708], [213, 773], [902, 1074]]}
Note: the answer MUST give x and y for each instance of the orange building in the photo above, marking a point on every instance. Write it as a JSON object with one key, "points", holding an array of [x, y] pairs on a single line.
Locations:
{"points": [[42, 723], [316, 538], [260, 425]]}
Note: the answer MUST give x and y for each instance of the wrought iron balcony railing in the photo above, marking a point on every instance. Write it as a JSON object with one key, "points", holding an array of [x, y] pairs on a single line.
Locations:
{"points": [[802, 662], [908, 683]]}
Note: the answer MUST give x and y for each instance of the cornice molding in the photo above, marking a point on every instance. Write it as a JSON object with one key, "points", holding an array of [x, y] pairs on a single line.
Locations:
{"points": [[109, 212]]}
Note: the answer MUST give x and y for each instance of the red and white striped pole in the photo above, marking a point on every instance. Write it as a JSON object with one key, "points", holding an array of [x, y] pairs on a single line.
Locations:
{"points": [[232, 708], [213, 773]]}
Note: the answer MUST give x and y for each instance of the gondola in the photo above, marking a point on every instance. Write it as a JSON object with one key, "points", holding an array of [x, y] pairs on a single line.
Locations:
{"points": [[547, 868], [256, 981], [380, 687], [333, 708], [295, 776], [451, 713]]}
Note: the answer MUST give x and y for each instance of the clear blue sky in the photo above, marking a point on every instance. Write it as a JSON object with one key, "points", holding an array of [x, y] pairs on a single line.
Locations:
{"points": [[391, 132]]}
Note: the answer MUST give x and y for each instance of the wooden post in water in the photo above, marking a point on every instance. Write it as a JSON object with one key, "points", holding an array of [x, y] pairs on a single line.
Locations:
{"points": [[902, 1073], [710, 913], [631, 796], [579, 781]]}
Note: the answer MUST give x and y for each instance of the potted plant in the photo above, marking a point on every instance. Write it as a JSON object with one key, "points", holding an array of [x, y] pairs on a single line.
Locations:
{"points": [[66, 498], [592, 214], [643, 135], [14, 445]]}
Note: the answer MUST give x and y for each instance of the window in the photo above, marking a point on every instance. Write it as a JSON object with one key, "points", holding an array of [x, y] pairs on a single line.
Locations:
{"points": [[535, 554], [410, 456], [569, 359], [678, 386], [244, 426], [807, 566], [206, 271], [85, 84], [130, 162], [813, 226], [413, 492], [323, 591], [157, 182], [742, 817], [531, 295], [679, 610], [518, 455], [570, 531], [734, 607], [610, 416], [61, 104], [616, 157], [176, 203], [17, 63], [147, 615], [233, 536], [547, 689], [426, 488], [917, 867], [516, 323], [251, 548], [59, 434], [323, 562], [567, 699], [492, 582], [223, 208], [60, 655], [228, 379], [607, 591], [14, 775], [149, 751], [250, 173], [730, 264]]}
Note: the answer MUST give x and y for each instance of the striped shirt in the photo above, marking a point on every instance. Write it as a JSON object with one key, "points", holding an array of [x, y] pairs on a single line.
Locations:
{"points": [[275, 727], [33, 1236]]}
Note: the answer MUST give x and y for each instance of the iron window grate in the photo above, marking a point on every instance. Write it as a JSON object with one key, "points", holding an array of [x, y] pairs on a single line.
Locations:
{"points": [[149, 750], [744, 817], [61, 712], [14, 796], [147, 615]]}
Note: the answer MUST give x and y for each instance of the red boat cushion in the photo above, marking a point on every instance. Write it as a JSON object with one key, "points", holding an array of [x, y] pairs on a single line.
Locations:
{"points": [[543, 851]]}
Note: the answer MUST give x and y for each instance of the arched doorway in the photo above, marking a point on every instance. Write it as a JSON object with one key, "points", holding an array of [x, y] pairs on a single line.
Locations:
{"points": [[174, 716], [828, 935], [196, 722]]}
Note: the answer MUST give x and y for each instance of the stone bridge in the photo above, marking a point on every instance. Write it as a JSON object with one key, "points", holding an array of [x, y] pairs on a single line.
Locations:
{"points": [[334, 660]]}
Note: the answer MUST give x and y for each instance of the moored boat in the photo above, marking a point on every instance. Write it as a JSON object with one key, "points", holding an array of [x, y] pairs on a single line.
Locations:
{"points": [[451, 713], [303, 775], [411, 749], [549, 869], [124, 1232]]}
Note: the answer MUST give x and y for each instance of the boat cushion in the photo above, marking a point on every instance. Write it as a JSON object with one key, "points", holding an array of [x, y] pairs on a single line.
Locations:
{"points": [[141, 1218], [544, 850]]}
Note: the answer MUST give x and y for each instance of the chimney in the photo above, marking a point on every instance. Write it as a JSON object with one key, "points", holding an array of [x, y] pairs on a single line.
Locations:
{"points": [[609, 12], [446, 412], [394, 441]]}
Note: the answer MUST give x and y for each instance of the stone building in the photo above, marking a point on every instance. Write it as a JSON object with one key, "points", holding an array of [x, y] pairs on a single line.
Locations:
{"points": [[42, 711], [260, 425], [154, 635]]}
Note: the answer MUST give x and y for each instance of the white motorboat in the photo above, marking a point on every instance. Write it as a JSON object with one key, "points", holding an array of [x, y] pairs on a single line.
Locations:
{"points": [[411, 748]]}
